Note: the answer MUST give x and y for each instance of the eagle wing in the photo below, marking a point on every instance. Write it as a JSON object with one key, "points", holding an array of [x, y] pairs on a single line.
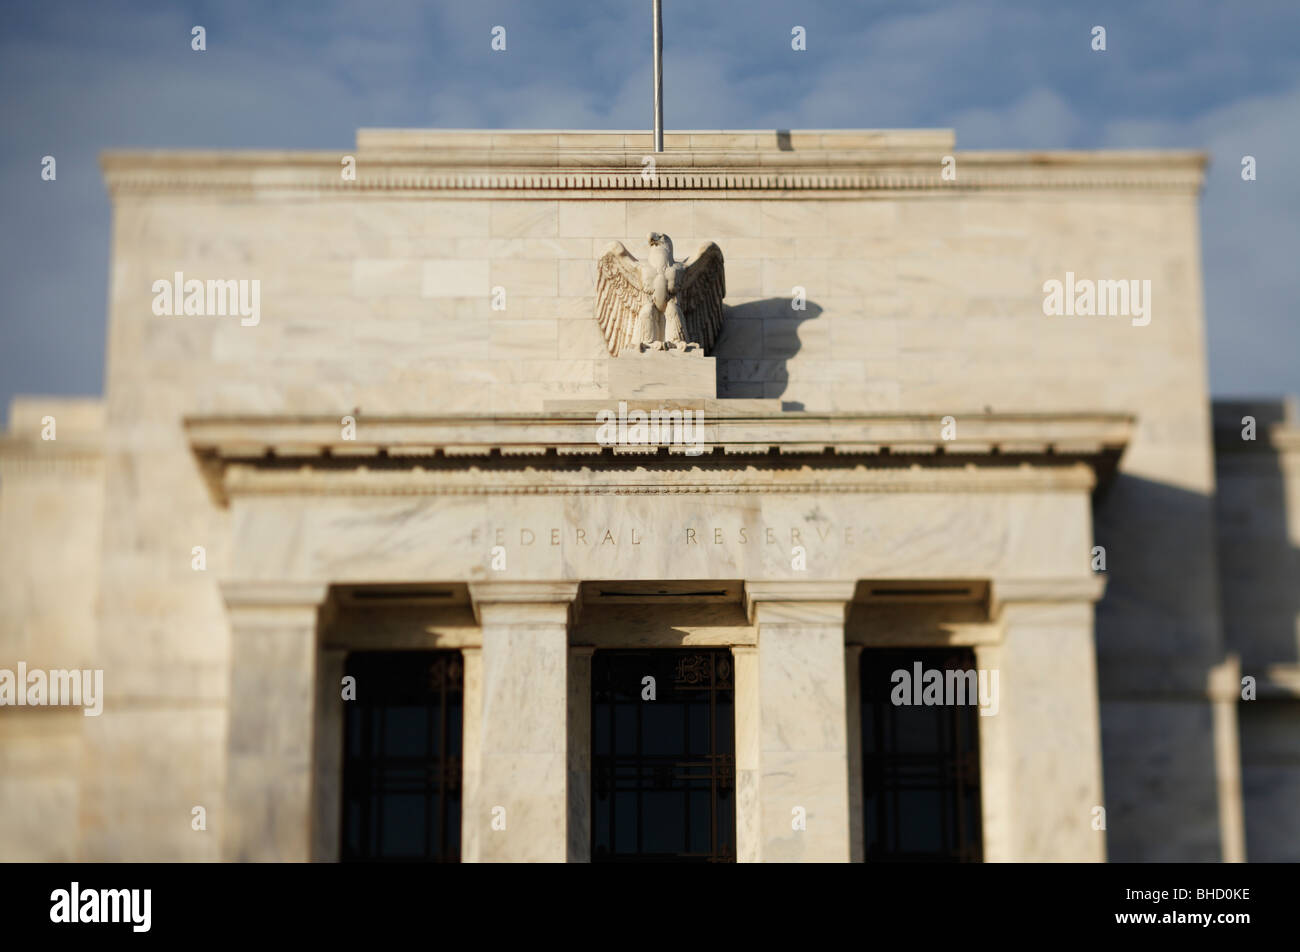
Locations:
{"points": [[700, 291], [619, 296]]}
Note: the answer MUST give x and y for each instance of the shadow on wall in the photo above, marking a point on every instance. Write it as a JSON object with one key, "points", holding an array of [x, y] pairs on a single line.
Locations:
{"points": [[757, 339], [1259, 565], [1158, 639]]}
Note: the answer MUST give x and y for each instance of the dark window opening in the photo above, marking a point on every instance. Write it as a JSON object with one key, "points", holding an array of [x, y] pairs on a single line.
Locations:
{"points": [[402, 757], [663, 770], [920, 764]]}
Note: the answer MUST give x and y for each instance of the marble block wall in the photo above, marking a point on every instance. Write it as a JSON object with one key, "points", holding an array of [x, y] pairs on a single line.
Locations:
{"points": [[380, 298], [51, 507]]}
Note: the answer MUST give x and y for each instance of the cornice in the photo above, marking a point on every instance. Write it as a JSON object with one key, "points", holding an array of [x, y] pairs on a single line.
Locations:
{"points": [[394, 163], [575, 433], [30, 456], [242, 480], [558, 454]]}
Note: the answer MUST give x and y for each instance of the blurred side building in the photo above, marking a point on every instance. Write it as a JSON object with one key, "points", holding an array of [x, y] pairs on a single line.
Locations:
{"points": [[365, 581], [1257, 507]]}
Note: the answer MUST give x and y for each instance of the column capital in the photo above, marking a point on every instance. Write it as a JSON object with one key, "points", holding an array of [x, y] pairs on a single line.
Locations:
{"points": [[277, 600], [273, 594], [800, 601], [1224, 681], [1071, 588], [526, 601]]}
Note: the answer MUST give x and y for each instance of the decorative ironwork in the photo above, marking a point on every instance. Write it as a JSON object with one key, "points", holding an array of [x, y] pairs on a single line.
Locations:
{"points": [[691, 669], [920, 765], [663, 770], [723, 670], [402, 757]]}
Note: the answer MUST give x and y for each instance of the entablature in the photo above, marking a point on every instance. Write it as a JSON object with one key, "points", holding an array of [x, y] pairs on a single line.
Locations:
{"points": [[727, 452]]}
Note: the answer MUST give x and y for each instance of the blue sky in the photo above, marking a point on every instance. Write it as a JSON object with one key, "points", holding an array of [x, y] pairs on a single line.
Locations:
{"points": [[80, 77]]}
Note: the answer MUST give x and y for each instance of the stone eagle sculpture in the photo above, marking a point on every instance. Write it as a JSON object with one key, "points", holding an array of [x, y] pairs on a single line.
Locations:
{"points": [[659, 303]]}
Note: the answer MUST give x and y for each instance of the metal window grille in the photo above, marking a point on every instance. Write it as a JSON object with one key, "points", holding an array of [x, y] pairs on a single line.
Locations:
{"points": [[920, 765], [663, 770], [402, 757]]}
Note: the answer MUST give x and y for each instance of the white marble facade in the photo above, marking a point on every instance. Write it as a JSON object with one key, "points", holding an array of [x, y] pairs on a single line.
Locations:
{"points": [[417, 404]]}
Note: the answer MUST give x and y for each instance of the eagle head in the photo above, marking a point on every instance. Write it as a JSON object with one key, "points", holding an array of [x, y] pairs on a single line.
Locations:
{"points": [[661, 243]]}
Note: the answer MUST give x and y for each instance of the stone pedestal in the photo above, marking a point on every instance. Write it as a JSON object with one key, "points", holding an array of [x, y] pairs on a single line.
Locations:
{"points": [[663, 374], [518, 809]]}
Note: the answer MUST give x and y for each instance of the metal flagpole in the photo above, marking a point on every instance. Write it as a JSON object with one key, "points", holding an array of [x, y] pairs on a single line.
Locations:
{"points": [[659, 76]]}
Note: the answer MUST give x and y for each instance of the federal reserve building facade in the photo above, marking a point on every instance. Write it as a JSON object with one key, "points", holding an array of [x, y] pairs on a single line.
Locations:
{"points": [[534, 496]]}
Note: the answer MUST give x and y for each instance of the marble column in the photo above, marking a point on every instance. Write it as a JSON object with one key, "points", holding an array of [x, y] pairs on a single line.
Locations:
{"points": [[329, 756], [580, 753], [803, 785], [521, 813], [269, 806], [749, 819], [471, 718], [1040, 754], [853, 716], [1225, 694]]}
